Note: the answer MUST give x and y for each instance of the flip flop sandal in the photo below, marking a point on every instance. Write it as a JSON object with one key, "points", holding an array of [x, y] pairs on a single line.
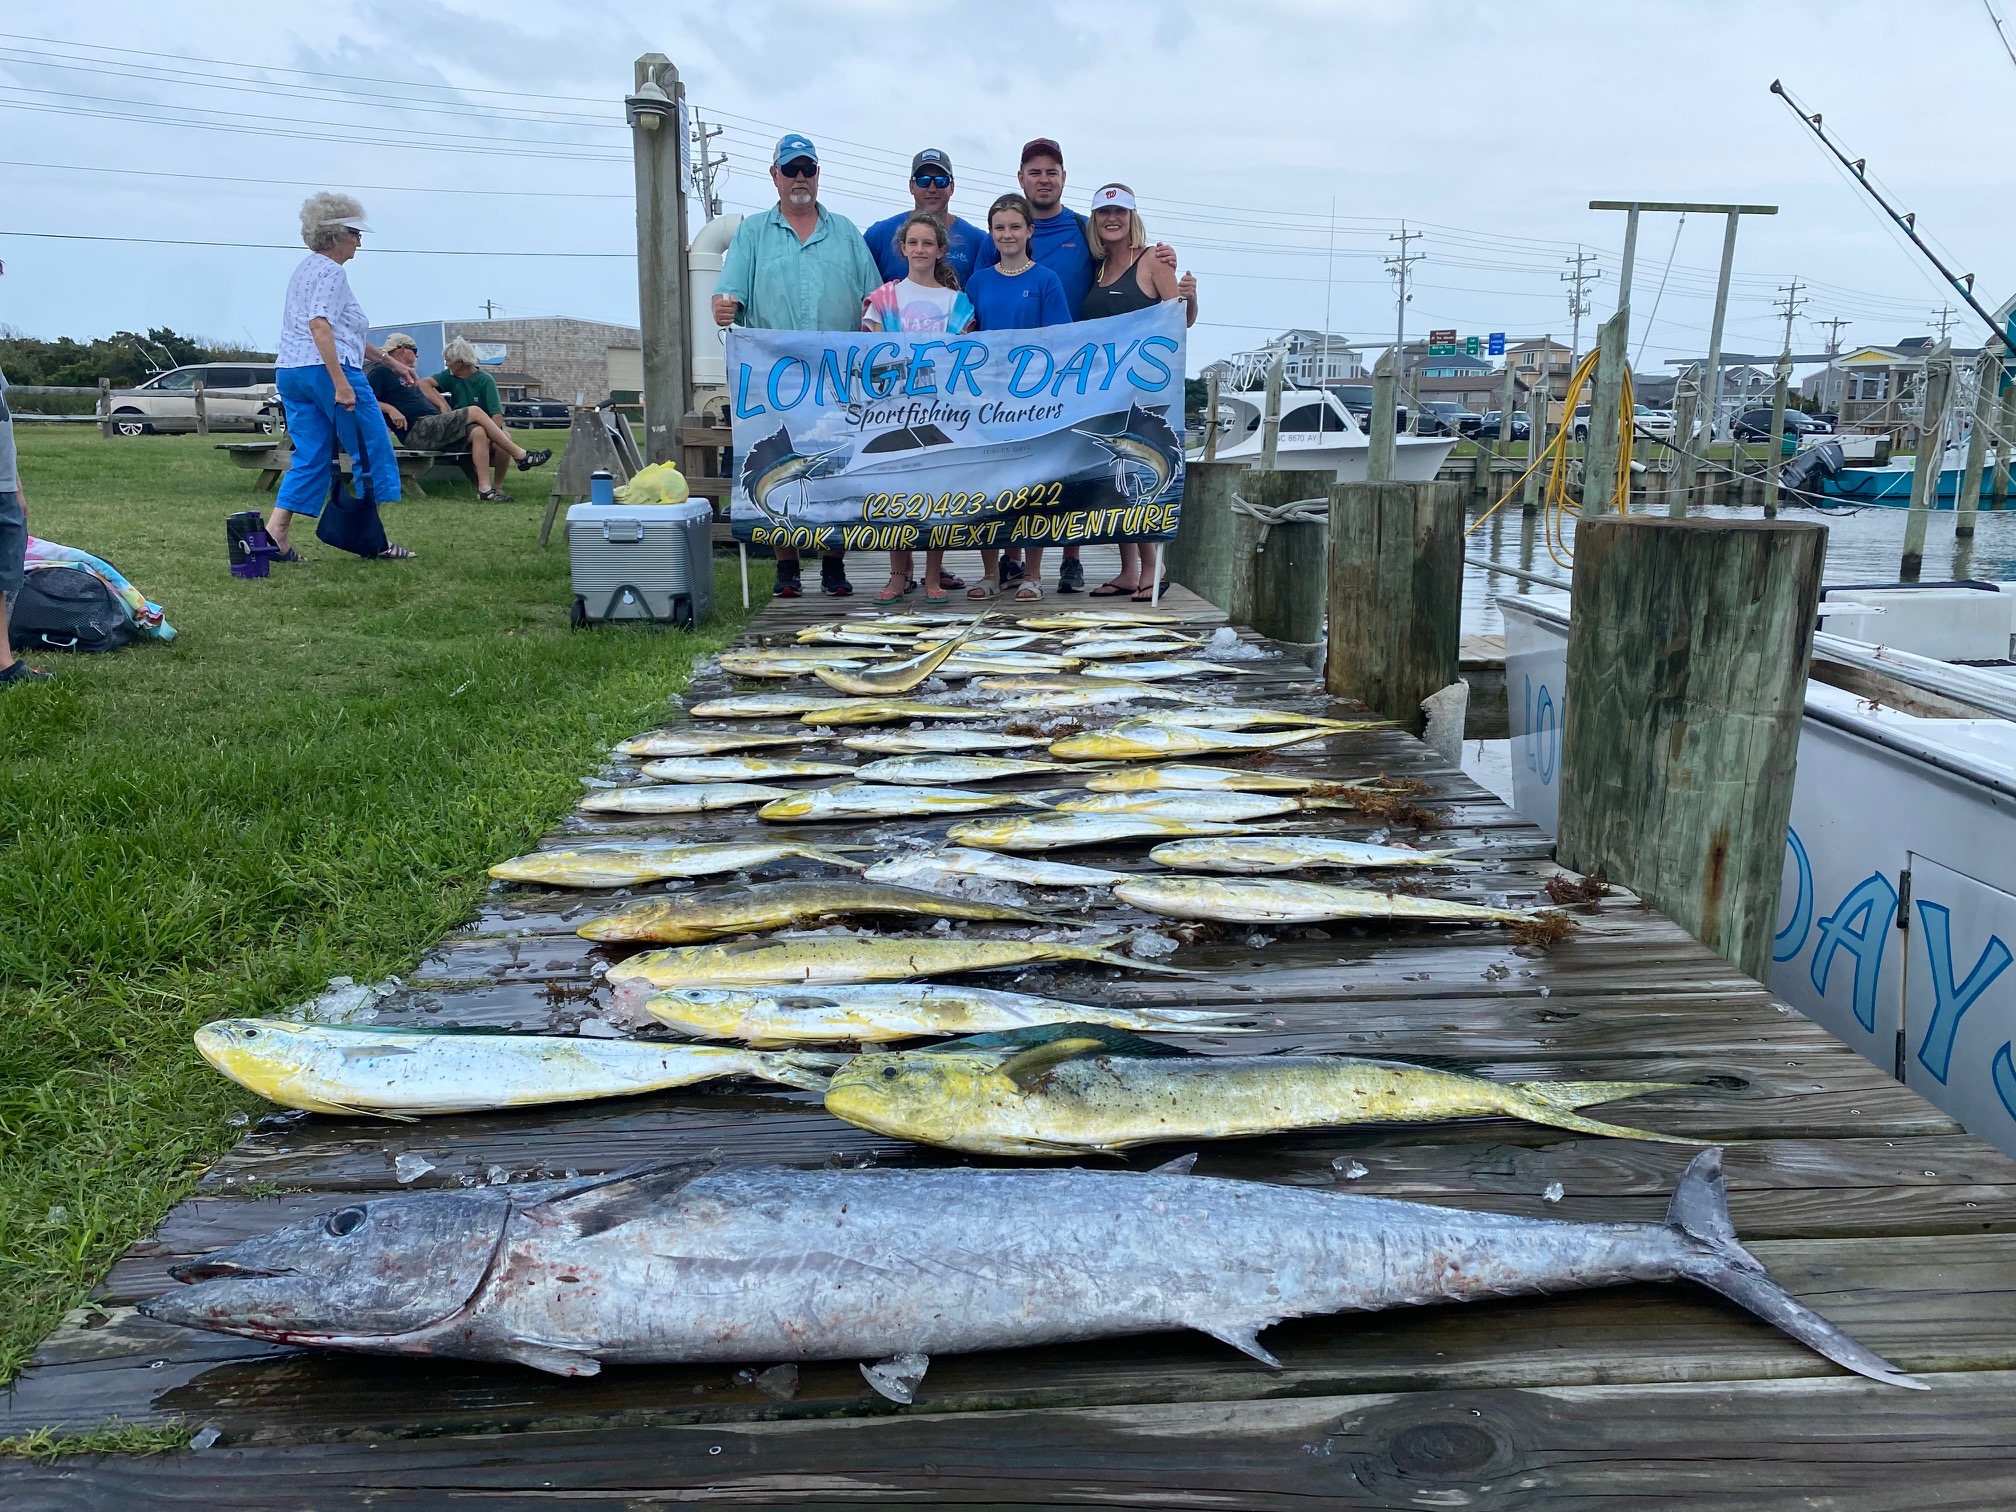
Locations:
{"points": [[1028, 592], [1146, 593], [289, 555], [886, 597], [937, 596], [1110, 590], [396, 553], [951, 582], [986, 588]]}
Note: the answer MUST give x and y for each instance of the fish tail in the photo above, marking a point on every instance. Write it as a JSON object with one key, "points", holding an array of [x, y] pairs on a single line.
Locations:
{"points": [[1104, 953], [1554, 1103], [806, 1070], [1699, 1215], [831, 857]]}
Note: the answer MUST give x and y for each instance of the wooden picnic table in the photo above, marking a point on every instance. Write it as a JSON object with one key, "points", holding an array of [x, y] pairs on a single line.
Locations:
{"points": [[1862, 1198], [271, 458]]}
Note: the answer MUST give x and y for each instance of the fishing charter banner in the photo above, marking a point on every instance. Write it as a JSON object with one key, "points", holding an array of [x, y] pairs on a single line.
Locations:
{"points": [[864, 441]]}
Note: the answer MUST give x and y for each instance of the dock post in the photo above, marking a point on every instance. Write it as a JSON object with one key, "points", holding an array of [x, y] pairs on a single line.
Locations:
{"points": [[1680, 482], [1203, 555], [1395, 594], [1600, 460], [1536, 440], [1775, 464], [1379, 457], [105, 408], [1270, 417], [656, 112], [1688, 644], [202, 409], [1279, 573], [1931, 453], [1987, 378], [1211, 419], [2005, 430]]}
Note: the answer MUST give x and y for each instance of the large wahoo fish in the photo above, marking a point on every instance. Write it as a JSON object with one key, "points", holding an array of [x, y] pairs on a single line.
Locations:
{"points": [[751, 1264]]}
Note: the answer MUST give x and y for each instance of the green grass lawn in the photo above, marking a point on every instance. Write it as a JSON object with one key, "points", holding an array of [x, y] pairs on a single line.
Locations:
{"points": [[309, 782]]}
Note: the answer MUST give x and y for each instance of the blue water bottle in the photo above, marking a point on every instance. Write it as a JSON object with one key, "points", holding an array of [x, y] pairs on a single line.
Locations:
{"points": [[601, 487]]}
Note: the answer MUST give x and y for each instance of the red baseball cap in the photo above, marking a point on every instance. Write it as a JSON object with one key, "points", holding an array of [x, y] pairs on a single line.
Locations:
{"points": [[1042, 147]]}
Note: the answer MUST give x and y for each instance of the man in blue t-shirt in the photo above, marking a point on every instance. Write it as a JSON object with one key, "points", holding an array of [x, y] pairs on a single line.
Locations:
{"points": [[931, 188]]}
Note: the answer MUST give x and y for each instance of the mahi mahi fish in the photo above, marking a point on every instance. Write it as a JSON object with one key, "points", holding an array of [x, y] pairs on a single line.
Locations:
{"points": [[817, 961], [766, 705], [1043, 832], [1235, 717], [1068, 1089], [1141, 739], [629, 865], [1217, 807], [710, 742], [1215, 779], [404, 1073], [1254, 854], [853, 711], [1089, 619], [782, 664], [942, 742], [1158, 671], [932, 769], [741, 768], [896, 676], [688, 918], [847, 801], [952, 862], [680, 798], [1058, 683], [701, 1262], [877, 1012], [1268, 900], [1089, 696], [1119, 648]]}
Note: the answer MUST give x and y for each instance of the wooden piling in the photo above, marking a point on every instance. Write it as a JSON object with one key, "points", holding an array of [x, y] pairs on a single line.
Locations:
{"points": [[2005, 430], [202, 410], [1279, 573], [1987, 379], [1536, 438], [1270, 417], [1395, 594], [1680, 482], [1776, 462], [1931, 452], [1203, 556], [1687, 652], [105, 408], [1211, 419], [1379, 457], [1600, 459]]}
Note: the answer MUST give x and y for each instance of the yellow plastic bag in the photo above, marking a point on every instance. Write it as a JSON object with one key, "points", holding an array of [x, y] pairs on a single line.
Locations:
{"points": [[660, 483]]}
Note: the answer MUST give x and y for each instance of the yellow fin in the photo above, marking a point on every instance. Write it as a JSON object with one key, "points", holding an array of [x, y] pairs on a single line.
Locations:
{"points": [[1024, 1069], [1554, 1102]]}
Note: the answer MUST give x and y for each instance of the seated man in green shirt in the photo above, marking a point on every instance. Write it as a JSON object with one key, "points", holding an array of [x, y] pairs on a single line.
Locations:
{"points": [[468, 388]]}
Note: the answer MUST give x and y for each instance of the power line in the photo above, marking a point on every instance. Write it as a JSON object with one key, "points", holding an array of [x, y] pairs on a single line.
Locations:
{"points": [[171, 241], [1578, 298], [219, 178]]}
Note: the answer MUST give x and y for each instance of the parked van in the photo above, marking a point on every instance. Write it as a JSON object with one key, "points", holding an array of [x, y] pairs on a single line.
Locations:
{"points": [[236, 396]]}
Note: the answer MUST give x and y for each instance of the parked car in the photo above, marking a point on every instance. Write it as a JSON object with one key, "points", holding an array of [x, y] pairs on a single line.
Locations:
{"points": [[537, 414], [236, 396], [1646, 421], [1755, 425], [1357, 398], [1444, 417], [1487, 428]]}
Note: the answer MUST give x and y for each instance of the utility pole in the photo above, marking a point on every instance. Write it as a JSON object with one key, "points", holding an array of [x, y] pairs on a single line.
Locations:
{"points": [[706, 165], [1944, 315], [1578, 299], [1398, 266], [1791, 304], [1829, 400], [489, 309], [654, 109]]}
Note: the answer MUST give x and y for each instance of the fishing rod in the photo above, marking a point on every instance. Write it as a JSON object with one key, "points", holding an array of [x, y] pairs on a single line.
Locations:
{"points": [[1963, 283]]}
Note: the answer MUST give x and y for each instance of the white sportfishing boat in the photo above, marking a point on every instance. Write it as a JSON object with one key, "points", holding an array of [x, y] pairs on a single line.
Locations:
{"points": [[1319, 433], [1897, 916]]}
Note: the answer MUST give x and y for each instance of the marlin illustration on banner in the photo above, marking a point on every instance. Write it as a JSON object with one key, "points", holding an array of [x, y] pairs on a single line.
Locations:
{"points": [[774, 463], [1145, 445]]}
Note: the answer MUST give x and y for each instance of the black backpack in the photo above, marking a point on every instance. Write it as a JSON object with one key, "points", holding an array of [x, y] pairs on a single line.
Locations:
{"points": [[67, 609]]}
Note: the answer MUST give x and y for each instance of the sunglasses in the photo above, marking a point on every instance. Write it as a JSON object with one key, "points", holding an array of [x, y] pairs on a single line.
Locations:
{"points": [[932, 181], [799, 168]]}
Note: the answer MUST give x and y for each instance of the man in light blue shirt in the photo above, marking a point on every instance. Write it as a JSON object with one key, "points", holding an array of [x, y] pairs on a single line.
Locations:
{"points": [[798, 267]]}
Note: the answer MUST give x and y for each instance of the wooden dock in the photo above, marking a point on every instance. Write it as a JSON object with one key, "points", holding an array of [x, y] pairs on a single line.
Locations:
{"points": [[1863, 1199]]}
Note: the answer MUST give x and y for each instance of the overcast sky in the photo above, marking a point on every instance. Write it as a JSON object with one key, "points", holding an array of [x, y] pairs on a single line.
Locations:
{"points": [[495, 128]]}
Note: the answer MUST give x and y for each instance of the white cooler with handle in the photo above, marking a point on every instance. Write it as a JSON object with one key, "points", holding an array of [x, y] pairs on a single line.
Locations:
{"points": [[642, 562]]}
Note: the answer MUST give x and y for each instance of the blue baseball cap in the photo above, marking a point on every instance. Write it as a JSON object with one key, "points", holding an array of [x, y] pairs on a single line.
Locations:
{"points": [[793, 145]]}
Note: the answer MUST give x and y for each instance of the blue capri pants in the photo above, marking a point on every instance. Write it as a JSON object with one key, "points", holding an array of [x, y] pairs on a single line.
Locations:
{"points": [[313, 423]]}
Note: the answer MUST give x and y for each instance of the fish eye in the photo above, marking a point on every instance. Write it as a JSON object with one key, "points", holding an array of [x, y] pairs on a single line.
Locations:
{"points": [[344, 1221], [890, 1073], [249, 1033]]}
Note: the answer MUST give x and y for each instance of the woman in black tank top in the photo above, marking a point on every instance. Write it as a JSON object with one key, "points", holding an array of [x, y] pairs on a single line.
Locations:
{"points": [[1127, 279]]}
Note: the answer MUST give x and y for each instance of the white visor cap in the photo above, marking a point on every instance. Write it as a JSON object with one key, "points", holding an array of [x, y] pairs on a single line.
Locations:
{"points": [[1113, 197]]}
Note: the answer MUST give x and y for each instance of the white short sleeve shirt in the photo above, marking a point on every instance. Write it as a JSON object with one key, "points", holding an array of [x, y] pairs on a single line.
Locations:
{"points": [[319, 287]]}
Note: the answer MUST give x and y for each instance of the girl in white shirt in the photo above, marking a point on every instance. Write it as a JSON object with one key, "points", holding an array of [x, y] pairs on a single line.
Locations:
{"points": [[926, 299]]}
